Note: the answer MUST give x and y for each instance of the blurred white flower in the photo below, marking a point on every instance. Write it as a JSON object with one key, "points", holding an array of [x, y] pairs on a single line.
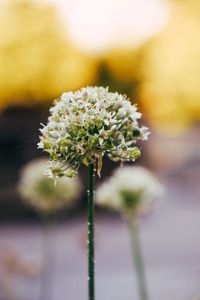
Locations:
{"points": [[86, 124], [41, 193], [130, 191]]}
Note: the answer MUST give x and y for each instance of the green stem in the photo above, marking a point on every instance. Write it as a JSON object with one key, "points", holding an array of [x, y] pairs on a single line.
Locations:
{"points": [[47, 259], [138, 259], [91, 275]]}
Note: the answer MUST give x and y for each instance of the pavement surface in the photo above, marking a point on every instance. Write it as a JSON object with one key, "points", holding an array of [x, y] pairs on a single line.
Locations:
{"points": [[171, 247]]}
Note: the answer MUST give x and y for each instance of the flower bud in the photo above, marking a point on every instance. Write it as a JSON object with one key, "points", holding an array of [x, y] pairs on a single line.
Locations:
{"points": [[134, 153]]}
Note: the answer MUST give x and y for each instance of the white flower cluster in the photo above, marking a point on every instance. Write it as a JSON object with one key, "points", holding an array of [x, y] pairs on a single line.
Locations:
{"points": [[86, 124], [130, 190], [41, 193]]}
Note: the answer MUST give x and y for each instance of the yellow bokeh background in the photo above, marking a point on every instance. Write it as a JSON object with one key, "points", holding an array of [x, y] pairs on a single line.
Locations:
{"points": [[39, 60], [170, 88]]}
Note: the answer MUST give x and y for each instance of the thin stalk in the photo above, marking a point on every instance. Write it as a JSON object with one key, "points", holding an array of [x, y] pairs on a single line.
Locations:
{"points": [[47, 260], [138, 259], [91, 274]]}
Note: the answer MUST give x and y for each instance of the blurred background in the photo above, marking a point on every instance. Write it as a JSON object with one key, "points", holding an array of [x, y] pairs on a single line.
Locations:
{"points": [[148, 49]]}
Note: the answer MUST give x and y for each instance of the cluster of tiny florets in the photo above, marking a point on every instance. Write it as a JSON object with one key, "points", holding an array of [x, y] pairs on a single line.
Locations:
{"points": [[86, 124], [130, 191], [41, 193]]}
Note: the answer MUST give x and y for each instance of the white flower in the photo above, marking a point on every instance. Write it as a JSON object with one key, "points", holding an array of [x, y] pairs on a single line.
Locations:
{"points": [[86, 124], [130, 190], [41, 193]]}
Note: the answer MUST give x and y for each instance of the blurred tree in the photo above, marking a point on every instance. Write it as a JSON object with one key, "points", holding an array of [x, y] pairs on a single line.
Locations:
{"points": [[120, 68], [124, 63], [37, 61], [170, 90]]}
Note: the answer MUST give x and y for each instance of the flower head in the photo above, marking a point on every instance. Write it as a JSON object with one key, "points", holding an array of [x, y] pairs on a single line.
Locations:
{"points": [[130, 190], [40, 192], [86, 124]]}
